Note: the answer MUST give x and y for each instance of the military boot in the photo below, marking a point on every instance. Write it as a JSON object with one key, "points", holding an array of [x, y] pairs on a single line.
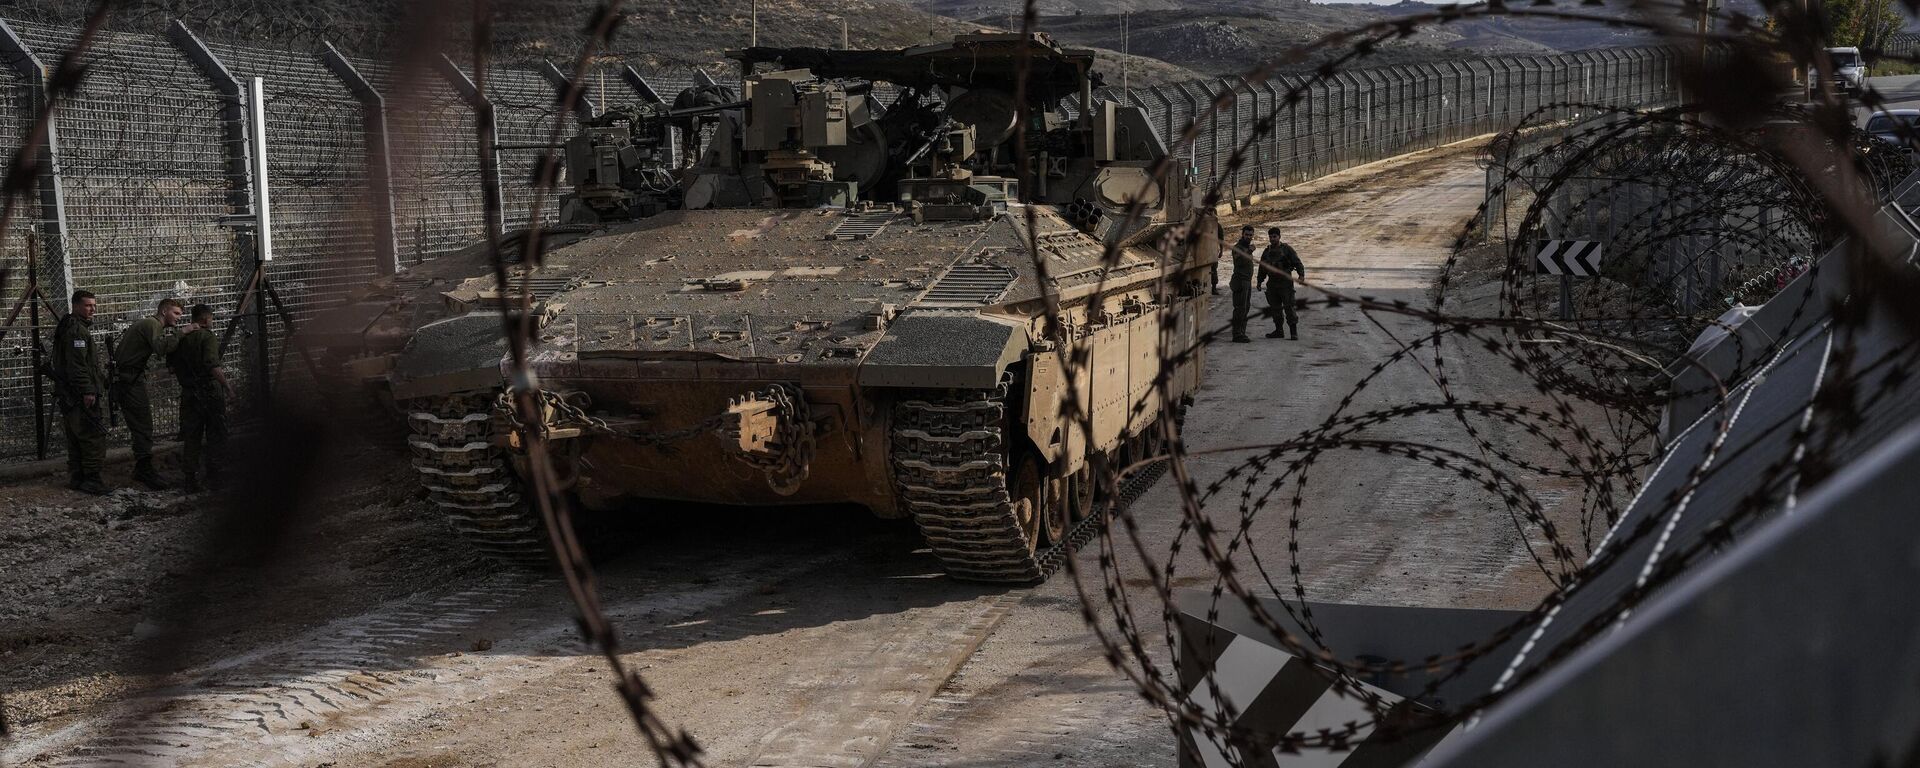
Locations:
{"points": [[1293, 330], [91, 484], [144, 473]]}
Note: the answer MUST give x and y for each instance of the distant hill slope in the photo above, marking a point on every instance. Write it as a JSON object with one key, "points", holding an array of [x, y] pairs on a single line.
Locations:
{"points": [[1513, 34], [1221, 36], [1172, 40], [1235, 40], [659, 33]]}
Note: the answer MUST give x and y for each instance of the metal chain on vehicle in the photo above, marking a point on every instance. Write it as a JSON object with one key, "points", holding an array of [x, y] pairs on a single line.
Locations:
{"points": [[788, 467]]}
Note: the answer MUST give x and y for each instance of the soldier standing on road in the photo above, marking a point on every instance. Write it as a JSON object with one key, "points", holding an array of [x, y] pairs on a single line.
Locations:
{"points": [[1277, 262], [1242, 283], [146, 338], [80, 386], [204, 389]]}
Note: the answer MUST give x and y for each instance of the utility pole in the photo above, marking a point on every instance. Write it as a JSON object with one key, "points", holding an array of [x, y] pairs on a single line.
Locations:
{"points": [[1126, 52], [844, 45], [1705, 26], [753, 37]]}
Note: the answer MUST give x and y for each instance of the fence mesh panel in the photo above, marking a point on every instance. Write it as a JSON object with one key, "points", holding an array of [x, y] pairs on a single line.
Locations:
{"points": [[17, 405]]}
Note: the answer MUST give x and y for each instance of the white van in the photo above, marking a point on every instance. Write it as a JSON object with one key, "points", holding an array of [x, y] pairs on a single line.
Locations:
{"points": [[1849, 70]]}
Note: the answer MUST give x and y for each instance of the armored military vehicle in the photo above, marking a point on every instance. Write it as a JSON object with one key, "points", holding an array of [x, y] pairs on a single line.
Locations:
{"points": [[844, 304]]}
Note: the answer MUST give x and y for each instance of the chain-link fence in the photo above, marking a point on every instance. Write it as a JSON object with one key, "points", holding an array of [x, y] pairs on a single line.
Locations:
{"points": [[371, 169], [1362, 115]]}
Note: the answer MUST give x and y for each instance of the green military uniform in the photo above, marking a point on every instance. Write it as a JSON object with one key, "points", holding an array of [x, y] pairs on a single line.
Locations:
{"points": [[138, 345], [1241, 283], [77, 374], [203, 403], [1278, 261]]}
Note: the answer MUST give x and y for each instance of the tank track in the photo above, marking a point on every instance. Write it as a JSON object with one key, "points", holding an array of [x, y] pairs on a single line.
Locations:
{"points": [[470, 480], [951, 473], [949, 456]]}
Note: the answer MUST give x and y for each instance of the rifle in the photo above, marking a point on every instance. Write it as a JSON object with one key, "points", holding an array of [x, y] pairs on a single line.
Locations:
{"points": [[113, 408]]}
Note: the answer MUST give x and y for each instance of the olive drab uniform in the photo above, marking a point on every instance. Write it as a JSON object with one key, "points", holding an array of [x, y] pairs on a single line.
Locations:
{"points": [[203, 404], [77, 373], [143, 340], [1241, 284], [1279, 261]]}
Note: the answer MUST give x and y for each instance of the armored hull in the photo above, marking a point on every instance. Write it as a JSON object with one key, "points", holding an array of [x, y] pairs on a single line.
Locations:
{"points": [[921, 370], [859, 303]]}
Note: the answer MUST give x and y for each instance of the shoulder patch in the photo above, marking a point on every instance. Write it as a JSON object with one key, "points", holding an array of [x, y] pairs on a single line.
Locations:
{"points": [[79, 343]]}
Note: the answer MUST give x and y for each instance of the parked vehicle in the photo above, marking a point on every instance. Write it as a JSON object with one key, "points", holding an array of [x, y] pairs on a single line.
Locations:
{"points": [[1887, 126], [1848, 71]]}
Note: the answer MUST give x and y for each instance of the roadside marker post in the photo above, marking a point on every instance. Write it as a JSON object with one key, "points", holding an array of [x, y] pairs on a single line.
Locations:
{"points": [[1568, 258]]}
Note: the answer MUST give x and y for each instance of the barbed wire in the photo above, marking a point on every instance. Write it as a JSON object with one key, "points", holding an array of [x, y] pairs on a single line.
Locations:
{"points": [[1610, 340], [1763, 190]]}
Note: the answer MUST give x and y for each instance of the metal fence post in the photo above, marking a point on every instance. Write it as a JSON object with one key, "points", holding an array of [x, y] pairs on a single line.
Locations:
{"points": [[1193, 149], [244, 192], [1167, 116], [640, 85], [52, 222], [1221, 123], [1276, 159], [584, 108], [233, 114], [490, 172], [1256, 169], [53, 207], [379, 163]]}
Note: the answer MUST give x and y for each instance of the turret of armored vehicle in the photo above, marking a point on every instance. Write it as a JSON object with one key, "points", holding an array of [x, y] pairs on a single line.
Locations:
{"points": [[842, 305]]}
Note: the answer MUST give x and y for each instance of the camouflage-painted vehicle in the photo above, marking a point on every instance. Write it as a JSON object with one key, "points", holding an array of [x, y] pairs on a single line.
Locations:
{"points": [[841, 306]]}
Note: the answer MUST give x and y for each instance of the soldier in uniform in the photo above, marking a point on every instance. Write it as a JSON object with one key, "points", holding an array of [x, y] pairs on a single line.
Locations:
{"points": [[80, 388], [1241, 283], [1277, 262], [204, 390], [139, 344]]}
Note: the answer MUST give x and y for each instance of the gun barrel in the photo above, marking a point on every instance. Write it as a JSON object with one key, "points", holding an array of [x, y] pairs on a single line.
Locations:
{"points": [[697, 111]]}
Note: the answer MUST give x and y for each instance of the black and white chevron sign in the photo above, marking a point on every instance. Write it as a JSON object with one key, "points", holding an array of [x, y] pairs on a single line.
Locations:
{"points": [[1233, 667], [1569, 257]]}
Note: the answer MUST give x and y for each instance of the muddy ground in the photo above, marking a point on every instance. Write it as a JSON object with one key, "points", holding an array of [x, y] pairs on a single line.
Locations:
{"points": [[92, 584]]}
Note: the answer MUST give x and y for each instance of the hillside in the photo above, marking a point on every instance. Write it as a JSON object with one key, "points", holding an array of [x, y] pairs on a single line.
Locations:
{"points": [[1235, 42], [659, 34], [1223, 36], [1534, 34], [1171, 40]]}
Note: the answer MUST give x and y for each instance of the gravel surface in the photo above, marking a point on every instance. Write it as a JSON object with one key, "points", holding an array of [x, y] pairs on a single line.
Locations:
{"points": [[92, 583]]}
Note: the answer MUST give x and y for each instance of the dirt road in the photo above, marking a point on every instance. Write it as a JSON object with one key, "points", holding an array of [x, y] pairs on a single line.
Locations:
{"points": [[1372, 530], [824, 638]]}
